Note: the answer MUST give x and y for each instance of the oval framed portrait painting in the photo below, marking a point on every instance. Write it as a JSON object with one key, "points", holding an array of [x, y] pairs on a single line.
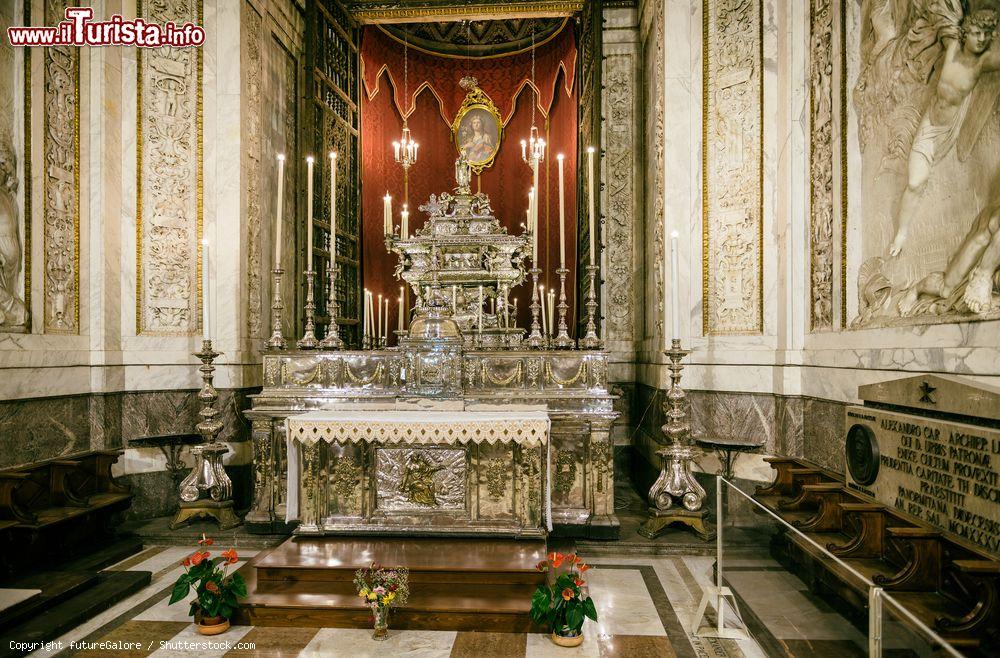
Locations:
{"points": [[477, 132]]}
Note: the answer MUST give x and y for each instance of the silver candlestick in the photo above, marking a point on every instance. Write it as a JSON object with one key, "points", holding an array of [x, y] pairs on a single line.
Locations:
{"points": [[332, 339], [590, 341], [676, 483], [277, 340], [308, 340], [535, 339], [207, 491], [562, 340]]}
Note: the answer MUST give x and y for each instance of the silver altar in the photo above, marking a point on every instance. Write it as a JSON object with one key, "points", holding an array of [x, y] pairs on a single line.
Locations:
{"points": [[572, 385]]}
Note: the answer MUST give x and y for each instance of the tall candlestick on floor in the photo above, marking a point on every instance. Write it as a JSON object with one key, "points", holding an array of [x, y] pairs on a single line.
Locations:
{"points": [[562, 214], [206, 328], [590, 204], [674, 288], [310, 161]]}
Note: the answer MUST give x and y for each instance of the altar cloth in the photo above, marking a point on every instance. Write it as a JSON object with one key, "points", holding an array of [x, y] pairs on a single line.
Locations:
{"points": [[529, 428]]}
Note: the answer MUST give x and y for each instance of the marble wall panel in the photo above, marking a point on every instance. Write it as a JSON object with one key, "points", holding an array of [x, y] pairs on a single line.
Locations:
{"points": [[823, 433], [61, 182], [169, 179], [733, 167], [43, 428], [252, 164]]}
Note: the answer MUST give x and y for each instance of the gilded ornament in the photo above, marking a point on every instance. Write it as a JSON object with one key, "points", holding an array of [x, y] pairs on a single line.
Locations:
{"points": [[565, 471], [581, 374], [496, 477], [346, 478], [510, 378], [363, 381]]}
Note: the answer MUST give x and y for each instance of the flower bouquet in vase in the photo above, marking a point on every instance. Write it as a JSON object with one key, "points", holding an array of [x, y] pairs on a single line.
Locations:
{"points": [[563, 602], [216, 587], [382, 589]]}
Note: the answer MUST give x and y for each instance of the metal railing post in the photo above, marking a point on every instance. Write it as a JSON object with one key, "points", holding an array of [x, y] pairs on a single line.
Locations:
{"points": [[875, 622]]}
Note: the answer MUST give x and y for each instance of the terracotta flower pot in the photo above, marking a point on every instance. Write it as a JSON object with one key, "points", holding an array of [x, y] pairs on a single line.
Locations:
{"points": [[567, 640], [213, 625]]}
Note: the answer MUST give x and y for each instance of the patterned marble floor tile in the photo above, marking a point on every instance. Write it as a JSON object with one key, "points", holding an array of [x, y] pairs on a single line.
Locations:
{"points": [[275, 642], [189, 642], [358, 643], [635, 646], [624, 606], [146, 634], [130, 563], [166, 559], [541, 646], [826, 648], [489, 645]]}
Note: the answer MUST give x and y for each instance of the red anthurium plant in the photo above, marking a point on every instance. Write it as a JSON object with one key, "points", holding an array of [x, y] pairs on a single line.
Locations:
{"points": [[217, 588], [562, 602]]}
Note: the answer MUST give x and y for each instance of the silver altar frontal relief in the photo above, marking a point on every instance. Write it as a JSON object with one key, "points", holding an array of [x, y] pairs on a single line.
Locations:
{"points": [[418, 470]]}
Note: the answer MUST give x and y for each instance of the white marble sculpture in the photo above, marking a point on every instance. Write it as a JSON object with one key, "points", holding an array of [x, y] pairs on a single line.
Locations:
{"points": [[928, 118], [12, 311]]}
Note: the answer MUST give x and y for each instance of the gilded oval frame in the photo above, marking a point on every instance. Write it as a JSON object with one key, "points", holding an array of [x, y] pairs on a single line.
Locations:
{"points": [[476, 101]]}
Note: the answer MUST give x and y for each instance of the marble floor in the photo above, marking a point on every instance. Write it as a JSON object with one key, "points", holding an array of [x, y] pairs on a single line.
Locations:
{"points": [[645, 608]]}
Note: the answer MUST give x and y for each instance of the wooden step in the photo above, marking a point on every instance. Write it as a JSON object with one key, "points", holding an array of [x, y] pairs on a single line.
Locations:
{"points": [[109, 588], [429, 560], [455, 584], [55, 586]]}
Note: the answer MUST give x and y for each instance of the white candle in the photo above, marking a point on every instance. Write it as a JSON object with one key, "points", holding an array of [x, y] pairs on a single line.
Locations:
{"points": [[280, 210], [674, 287], [333, 206], [205, 327], [537, 200], [590, 199], [562, 215], [364, 315], [524, 150], [387, 214], [404, 232], [400, 303], [309, 212], [402, 296], [480, 309], [454, 300], [395, 150], [545, 322], [378, 325], [385, 328], [552, 311]]}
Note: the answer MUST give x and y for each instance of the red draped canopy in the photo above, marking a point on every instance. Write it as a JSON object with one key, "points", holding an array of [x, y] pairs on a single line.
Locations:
{"points": [[434, 102]]}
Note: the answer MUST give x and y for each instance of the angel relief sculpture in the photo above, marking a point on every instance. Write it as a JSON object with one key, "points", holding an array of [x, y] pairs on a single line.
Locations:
{"points": [[928, 89]]}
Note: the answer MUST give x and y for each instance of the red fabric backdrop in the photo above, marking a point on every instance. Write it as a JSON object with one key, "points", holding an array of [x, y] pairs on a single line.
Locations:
{"points": [[506, 182]]}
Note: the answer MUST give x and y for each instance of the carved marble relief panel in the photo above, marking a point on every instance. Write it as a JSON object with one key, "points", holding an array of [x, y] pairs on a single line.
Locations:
{"points": [[169, 178], [620, 167], [925, 243], [732, 175], [253, 71], [821, 123], [651, 28], [15, 258], [61, 182]]}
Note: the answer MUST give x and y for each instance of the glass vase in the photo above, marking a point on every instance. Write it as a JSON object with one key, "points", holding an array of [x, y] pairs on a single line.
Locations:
{"points": [[381, 615]]}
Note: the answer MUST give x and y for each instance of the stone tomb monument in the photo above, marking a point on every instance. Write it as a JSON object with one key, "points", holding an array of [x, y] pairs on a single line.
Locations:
{"points": [[929, 446]]}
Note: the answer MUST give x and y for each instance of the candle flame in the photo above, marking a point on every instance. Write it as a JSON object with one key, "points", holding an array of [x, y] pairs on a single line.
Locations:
{"points": [[310, 159], [590, 149], [333, 155], [559, 157], [674, 234], [281, 157]]}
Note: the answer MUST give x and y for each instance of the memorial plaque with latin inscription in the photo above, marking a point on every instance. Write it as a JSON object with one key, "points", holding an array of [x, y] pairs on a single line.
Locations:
{"points": [[943, 473]]}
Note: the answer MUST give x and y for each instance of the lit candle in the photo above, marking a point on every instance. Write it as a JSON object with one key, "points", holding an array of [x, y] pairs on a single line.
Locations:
{"points": [[480, 309], [545, 321], [205, 327], [524, 150], [552, 311], [404, 232], [562, 215], [590, 199], [309, 212], [537, 199], [378, 325], [385, 328], [364, 316], [402, 311], [400, 300], [395, 150], [333, 206], [280, 210], [674, 287]]}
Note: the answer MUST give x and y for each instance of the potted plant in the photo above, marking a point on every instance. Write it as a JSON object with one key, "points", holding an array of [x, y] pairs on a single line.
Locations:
{"points": [[217, 589], [562, 602], [382, 589]]}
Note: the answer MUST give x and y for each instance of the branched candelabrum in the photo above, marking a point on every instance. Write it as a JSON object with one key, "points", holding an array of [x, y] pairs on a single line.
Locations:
{"points": [[277, 340], [535, 339], [308, 340], [562, 340], [676, 483], [332, 339], [590, 341]]}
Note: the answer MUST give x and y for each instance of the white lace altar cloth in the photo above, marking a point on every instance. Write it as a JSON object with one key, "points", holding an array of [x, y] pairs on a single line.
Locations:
{"points": [[414, 426]]}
